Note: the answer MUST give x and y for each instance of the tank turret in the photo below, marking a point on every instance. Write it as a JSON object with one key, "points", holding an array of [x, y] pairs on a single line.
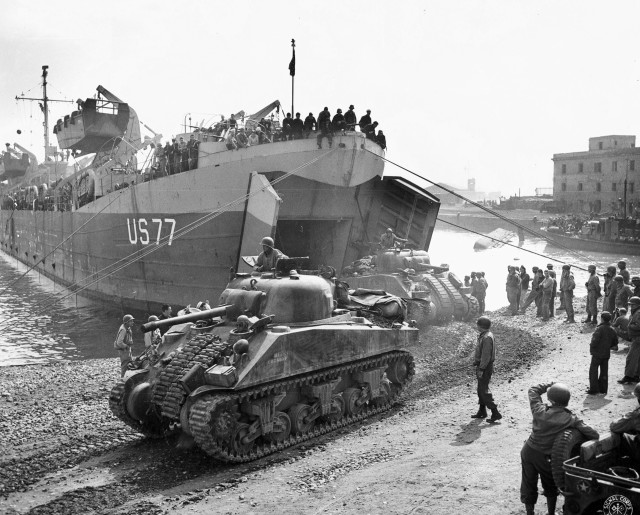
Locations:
{"points": [[275, 364]]}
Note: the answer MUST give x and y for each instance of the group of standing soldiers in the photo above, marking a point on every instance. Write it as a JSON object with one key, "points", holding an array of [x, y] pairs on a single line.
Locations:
{"points": [[176, 156], [479, 286]]}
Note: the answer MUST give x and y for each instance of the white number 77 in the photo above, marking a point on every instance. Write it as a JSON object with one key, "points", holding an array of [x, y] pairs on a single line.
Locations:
{"points": [[158, 221]]}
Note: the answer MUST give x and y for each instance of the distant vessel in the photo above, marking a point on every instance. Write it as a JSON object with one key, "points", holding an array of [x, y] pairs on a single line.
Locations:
{"points": [[119, 237], [496, 238], [608, 235]]}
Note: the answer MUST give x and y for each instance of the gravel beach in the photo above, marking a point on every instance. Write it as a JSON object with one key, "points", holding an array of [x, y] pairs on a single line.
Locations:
{"points": [[64, 452]]}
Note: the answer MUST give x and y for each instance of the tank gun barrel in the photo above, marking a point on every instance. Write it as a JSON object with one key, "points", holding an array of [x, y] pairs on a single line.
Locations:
{"points": [[191, 317]]}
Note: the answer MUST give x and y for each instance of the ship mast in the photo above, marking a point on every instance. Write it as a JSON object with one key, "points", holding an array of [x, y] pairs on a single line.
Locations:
{"points": [[44, 105]]}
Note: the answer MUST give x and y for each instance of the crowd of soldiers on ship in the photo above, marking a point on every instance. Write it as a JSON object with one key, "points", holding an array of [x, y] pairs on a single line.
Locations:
{"points": [[179, 155], [574, 224]]}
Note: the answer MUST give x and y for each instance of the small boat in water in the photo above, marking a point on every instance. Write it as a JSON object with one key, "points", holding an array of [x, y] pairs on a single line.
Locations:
{"points": [[496, 238]]}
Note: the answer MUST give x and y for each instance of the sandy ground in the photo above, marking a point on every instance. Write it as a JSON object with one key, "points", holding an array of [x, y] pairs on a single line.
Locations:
{"points": [[63, 452]]}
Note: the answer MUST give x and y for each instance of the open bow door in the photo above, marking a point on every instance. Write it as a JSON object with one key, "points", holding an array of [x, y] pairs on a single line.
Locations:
{"points": [[260, 218]]}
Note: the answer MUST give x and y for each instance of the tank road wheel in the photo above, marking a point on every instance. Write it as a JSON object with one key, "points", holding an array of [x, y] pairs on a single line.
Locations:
{"points": [[281, 428], [337, 409], [398, 371], [298, 414], [383, 399], [238, 433], [351, 397]]}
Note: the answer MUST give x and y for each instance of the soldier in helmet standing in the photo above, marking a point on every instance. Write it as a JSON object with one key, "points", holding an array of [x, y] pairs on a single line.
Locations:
{"points": [[484, 358], [593, 293], [622, 265], [567, 285], [635, 282], [610, 289], [269, 255], [388, 240], [632, 364], [535, 456], [124, 342]]}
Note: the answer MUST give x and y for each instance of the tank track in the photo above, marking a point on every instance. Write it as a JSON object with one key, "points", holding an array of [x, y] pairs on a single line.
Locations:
{"points": [[460, 308], [441, 299], [117, 403], [168, 396], [201, 421]]}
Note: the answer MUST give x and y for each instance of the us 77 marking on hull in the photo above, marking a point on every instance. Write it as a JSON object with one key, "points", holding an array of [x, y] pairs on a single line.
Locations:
{"points": [[140, 229]]}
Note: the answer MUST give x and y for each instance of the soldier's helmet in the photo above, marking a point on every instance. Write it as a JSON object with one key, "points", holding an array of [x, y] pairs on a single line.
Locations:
{"points": [[606, 316], [591, 267], [484, 323], [635, 279], [634, 301], [619, 278], [267, 241], [559, 393], [612, 269], [622, 264]]}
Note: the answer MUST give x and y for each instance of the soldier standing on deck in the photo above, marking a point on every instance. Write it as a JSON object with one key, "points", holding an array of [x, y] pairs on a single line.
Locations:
{"points": [[593, 293], [567, 285], [632, 364], [484, 358]]}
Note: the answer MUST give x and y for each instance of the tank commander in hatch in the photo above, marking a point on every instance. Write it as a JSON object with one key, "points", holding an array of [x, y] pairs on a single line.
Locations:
{"points": [[388, 239], [269, 255]]}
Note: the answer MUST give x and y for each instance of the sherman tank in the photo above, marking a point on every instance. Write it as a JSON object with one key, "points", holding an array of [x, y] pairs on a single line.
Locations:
{"points": [[433, 293], [274, 365]]}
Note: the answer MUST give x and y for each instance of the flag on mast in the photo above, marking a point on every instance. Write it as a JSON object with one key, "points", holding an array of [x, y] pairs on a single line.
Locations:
{"points": [[292, 64]]}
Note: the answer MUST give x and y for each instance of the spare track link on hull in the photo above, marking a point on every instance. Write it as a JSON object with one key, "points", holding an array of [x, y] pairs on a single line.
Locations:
{"points": [[441, 299], [168, 395], [201, 422], [474, 307], [118, 404]]}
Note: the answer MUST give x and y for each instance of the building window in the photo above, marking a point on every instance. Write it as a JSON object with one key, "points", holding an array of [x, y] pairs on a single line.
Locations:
{"points": [[614, 186], [614, 166], [564, 186], [597, 167], [598, 186], [600, 145], [579, 186], [580, 168], [631, 185], [632, 165], [564, 168]]}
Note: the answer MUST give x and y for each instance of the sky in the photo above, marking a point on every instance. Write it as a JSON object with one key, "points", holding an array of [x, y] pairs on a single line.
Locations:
{"points": [[462, 89]]}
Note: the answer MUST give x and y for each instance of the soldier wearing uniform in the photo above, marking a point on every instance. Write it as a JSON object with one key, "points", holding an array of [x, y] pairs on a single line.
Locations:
{"points": [[622, 265], [567, 285], [513, 288], [389, 239], [603, 340], [124, 342], [548, 423], [269, 255], [629, 427], [632, 364], [610, 288], [635, 282], [593, 293], [623, 294], [484, 358]]}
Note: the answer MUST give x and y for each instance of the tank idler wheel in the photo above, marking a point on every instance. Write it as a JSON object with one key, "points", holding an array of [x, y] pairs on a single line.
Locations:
{"points": [[237, 445], [299, 414], [352, 401], [337, 409], [398, 371], [281, 428]]}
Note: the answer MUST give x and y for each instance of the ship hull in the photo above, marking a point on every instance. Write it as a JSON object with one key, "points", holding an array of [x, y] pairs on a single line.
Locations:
{"points": [[591, 245], [175, 239]]}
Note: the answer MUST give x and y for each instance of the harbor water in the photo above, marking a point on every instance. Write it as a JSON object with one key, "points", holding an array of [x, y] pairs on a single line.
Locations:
{"points": [[36, 326]]}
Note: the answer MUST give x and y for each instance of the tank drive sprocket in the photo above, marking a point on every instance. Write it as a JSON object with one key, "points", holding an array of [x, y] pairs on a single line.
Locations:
{"points": [[220, 427], [120, 393]]}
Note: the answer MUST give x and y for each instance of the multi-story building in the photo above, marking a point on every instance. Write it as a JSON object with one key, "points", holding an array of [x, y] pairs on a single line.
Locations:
{"points": [[600, 179]]}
